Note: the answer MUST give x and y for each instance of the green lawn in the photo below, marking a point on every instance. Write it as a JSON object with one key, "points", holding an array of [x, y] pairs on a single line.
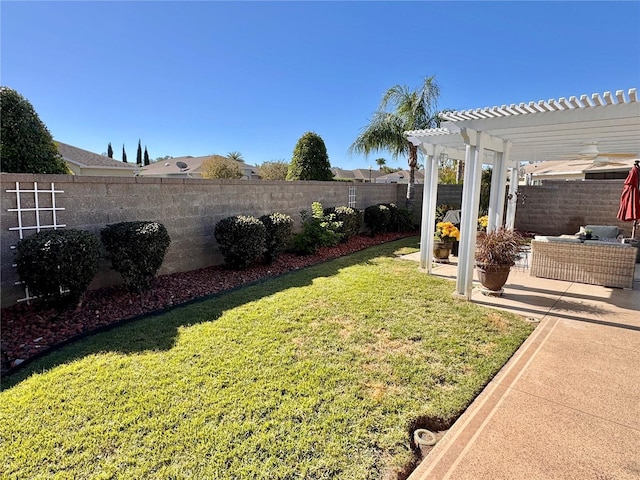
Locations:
{"points": [[316, 374]]}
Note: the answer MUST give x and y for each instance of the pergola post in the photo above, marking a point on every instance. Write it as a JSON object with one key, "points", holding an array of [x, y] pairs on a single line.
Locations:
{"points": [[469, 219], [498, 185], [513, 200], [429, 199]]}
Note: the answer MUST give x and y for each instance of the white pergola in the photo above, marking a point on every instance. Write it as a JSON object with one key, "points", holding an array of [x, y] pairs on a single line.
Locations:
{"points": [[506, 136]]}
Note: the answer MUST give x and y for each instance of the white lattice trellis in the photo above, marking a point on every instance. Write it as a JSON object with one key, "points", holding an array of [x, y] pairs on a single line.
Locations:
{"points": [[37, 211], [352, 196]]}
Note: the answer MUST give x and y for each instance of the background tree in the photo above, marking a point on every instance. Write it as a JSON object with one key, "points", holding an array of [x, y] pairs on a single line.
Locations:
{"points": [[276, 170], [447, 171], [166, 157], [485, 190], [139, 154], [26, 145], [237, 156], [124, 154], [388, 170], [146, 157], [401, 109], [217, 166], [109, 151], [381, 163], [310, 159]]}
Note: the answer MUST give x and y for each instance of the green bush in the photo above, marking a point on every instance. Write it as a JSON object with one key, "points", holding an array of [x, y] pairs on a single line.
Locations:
{"points": [[26, 145], [403, 221], [377, 218], [242, 240], [136, 250], [318, 230], [278, 234], [58, 265], [350, 218], [400, 219]]}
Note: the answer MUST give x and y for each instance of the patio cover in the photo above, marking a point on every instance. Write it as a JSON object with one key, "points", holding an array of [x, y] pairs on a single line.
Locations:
{"points": [[506, 136]]}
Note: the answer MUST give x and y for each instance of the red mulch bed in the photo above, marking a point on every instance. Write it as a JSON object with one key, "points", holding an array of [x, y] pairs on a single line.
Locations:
{"points": [[28, 330]]}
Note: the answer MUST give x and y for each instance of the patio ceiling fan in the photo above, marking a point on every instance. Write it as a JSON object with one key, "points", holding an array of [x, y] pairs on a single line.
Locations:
{"points": [[589, 151]]}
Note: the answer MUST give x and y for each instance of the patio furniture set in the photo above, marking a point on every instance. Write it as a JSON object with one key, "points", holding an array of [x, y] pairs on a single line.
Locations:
{"points": [[603, 260]]}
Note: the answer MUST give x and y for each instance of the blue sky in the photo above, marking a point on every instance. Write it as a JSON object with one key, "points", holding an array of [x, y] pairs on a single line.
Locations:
{"points": [[197, 78]]}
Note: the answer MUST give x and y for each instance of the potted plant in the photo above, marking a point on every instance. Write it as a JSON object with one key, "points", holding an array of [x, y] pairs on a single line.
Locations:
{"points": [[496, 253], [446, 233]]}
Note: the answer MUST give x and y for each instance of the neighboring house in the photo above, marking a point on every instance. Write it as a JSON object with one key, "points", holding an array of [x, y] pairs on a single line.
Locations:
{"points": [[175, 168], [579, 169], [401, 176], [362, 175], [86, 163]]}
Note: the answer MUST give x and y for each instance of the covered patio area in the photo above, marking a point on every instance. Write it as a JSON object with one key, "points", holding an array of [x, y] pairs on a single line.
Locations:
{"points": [[596, 127]]}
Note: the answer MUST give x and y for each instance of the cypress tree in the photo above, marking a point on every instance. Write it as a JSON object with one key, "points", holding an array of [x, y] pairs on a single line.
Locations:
{"points": [[146, 156], [124, 154], [310, 159], [109, 151], [139, 154]]}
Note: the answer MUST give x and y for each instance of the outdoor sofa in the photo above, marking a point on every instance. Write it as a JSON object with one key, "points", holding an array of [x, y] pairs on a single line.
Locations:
{"points": [[604, 262]]}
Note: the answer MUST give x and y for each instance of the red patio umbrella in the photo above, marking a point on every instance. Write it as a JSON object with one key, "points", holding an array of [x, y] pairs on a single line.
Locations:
{"points": [[629, 210]]}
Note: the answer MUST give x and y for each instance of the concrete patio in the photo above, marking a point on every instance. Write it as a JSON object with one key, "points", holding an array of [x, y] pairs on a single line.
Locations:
{"points": [[567, 404]]}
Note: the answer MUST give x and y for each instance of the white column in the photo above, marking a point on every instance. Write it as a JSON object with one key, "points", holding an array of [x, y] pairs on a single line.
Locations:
{"points": [[429, 199], [470, 205], [498, 185], [513, 199], [496, 174]]}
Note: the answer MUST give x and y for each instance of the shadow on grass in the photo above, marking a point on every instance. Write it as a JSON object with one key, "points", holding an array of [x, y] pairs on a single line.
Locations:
{"points": [[158, 331]]}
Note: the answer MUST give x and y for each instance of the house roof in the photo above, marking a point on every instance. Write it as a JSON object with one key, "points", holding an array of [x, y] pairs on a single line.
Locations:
{"points": [[577, 166], [419, 175], [194, 165], [361, 174], [87, 159]]}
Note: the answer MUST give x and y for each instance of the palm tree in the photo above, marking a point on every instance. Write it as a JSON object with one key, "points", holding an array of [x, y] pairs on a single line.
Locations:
{"points": [[410, 110], [381, 163], [237, 156]]}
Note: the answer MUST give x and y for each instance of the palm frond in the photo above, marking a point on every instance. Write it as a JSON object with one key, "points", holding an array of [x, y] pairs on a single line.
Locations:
{"points": [[384, 132]]}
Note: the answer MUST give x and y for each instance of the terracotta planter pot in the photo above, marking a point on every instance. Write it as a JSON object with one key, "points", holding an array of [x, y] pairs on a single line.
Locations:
{"points": [[493, 277], [441, 251]]}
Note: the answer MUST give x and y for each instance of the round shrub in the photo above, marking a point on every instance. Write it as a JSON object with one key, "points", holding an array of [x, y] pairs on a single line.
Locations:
{"points": [[350, 219], [242, 240], [278, 234], [400, 220], [377, 218], [58, 265], [136, 250]]}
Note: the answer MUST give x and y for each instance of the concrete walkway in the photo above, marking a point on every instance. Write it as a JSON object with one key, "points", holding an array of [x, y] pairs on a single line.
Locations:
{"points": [[567, 404]]}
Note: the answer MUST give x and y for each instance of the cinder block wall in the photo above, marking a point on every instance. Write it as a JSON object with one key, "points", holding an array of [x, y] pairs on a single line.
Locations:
{"points": [[189, 208], [558, 207]]}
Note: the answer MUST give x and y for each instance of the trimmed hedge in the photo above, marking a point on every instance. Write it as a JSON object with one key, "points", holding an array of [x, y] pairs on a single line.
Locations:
{"points": [[377, 218], [278, 234], [242, 240], [58, 265], [136, 250], [350, 218]]}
